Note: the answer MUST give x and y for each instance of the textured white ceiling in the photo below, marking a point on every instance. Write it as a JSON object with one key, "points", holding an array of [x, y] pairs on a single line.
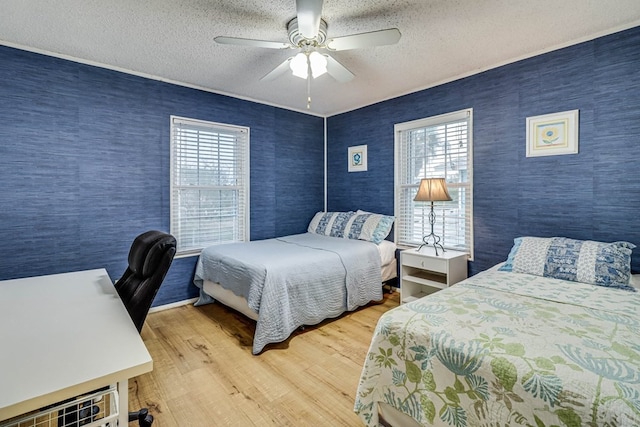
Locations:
{"points": [[172, 40]]}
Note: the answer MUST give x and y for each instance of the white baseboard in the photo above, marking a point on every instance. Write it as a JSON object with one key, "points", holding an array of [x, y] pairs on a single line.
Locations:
{"points": [[172, 305]]}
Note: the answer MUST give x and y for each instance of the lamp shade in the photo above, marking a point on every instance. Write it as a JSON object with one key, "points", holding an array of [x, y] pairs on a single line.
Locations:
{"points": [[432, 190]]}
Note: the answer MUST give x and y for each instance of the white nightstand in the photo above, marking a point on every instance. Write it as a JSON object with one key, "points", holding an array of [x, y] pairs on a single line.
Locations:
{"points": [[422, 273]]}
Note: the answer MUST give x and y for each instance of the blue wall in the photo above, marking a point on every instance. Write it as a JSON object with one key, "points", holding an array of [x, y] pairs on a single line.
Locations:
{"points": [[84, 157], [592, 195], [84, 166]]}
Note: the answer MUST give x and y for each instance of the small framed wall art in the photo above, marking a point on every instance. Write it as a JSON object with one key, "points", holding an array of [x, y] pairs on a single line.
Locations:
{"points": [[358, 158], [552, 134]]}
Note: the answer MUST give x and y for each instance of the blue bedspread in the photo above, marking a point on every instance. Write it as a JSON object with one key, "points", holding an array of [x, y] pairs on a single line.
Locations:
{"points": [[294, 280]]}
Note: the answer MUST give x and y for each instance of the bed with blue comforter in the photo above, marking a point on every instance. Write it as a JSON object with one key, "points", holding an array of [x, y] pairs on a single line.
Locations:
{"points": [[514, 346], [294, 280]]}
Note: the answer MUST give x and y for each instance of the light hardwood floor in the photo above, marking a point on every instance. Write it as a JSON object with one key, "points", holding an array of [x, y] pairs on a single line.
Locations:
{"points": [[205, 375]]}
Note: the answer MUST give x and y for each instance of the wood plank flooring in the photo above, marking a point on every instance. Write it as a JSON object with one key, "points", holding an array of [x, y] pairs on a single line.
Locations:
{"points": [[205, 375]]}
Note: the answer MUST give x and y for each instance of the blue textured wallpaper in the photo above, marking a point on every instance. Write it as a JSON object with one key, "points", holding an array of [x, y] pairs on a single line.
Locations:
{"points": [[84, 157], [84, 166], [594, 194]]}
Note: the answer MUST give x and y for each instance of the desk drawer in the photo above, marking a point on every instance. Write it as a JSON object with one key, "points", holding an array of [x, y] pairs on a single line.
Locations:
{"points": [[99, 409], [438, 265]]}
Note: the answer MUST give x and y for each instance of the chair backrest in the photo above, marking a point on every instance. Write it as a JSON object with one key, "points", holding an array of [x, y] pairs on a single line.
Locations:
{"points": [[150, 257]]}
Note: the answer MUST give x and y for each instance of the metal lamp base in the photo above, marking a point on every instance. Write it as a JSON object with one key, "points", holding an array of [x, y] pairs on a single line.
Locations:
{"points": [[436, 243], [428, 237]]}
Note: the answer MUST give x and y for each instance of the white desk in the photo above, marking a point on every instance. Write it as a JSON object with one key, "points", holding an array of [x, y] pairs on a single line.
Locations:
{"points": [[64, 335]]}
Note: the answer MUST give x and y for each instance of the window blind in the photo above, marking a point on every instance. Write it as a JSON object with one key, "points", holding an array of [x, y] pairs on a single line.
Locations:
{"points": [[209, 183], [435, 147]]}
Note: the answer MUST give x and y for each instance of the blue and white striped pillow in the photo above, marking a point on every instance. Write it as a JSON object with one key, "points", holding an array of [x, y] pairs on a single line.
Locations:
{"points": [[330, 223], [352, 225], [586, 261], [369, 226]]}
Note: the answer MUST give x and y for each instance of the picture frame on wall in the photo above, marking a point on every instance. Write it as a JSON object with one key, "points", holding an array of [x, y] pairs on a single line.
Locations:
{"points": [[553, 134], [358, 158]]}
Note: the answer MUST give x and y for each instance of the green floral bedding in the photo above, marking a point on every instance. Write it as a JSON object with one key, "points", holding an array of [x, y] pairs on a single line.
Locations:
{"points": [[508, 349]]}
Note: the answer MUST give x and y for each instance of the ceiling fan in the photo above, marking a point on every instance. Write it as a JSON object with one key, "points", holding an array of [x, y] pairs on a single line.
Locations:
{"points": [[308, 32]]}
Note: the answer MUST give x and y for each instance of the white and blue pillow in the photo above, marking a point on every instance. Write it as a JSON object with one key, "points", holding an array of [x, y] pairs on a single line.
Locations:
{"points": [[352, 225], [330, 223], [370, 226], [586, 261]]}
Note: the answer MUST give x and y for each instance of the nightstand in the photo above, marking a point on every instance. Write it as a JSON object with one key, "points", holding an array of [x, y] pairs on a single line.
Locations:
{"points": [[422, 273]]}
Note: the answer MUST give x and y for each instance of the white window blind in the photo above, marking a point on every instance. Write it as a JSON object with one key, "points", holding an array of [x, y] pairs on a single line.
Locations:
{"points": [[209, 184], [435, 147]]}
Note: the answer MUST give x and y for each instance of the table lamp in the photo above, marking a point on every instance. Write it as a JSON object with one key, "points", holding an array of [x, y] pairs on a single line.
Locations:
{"points": [[432, 190]]}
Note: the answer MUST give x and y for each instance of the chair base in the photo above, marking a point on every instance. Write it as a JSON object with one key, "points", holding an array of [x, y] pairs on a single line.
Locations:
{"points": [[144, 418]]}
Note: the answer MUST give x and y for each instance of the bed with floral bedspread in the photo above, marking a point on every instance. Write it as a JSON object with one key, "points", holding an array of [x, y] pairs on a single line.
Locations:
{"points": [[507, 349]]}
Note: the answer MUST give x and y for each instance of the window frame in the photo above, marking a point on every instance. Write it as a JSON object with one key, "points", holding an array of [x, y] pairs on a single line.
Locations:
{"points": [[242, 204], [399, 131]]}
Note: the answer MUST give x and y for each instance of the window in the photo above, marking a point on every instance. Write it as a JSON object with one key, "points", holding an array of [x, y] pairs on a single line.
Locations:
{"points": [[435, 147], [209, 184]]}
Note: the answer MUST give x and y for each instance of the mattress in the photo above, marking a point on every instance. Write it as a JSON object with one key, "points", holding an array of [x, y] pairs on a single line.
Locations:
{"points": [[387, 251]]}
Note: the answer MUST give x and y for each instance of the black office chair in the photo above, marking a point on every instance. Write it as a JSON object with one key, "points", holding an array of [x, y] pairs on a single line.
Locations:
{"points": [[150, 257]]}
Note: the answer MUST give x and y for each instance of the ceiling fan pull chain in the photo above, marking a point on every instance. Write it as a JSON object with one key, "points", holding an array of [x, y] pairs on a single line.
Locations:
{"points": [[308, 85]]}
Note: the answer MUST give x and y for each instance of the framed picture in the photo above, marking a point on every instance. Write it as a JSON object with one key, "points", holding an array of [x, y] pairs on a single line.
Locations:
{"points": [[358, 158], [552, 134]]}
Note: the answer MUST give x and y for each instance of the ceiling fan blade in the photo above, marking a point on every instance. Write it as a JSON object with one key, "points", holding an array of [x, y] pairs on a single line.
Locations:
{"points": [[309, 13], [337, 70], [280, 69], [251, 42], [356, 41]]}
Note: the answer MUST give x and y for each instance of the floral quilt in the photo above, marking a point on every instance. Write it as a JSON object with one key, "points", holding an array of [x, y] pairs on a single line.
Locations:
{"points": [[508, 349]]}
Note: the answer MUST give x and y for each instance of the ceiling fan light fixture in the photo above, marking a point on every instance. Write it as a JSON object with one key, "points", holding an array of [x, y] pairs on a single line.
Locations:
{"points": [[299, 66], [307, 32], [318, 64]]}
